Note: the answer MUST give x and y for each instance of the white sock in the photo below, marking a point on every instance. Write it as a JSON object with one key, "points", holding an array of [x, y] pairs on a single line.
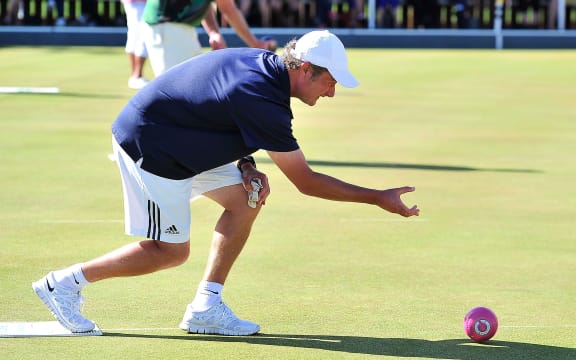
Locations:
{"points": [[207, 295], [72, 277]]}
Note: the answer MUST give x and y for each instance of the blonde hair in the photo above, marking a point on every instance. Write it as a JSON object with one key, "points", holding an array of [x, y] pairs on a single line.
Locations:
{"points": [[293, 63]]}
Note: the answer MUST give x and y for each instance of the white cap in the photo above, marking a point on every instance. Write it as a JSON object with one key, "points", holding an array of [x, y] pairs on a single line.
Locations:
{"points": [[324, 49]]}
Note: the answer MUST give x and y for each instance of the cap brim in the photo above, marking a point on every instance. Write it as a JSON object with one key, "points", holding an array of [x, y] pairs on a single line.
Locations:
{"points": [[344, 78]]}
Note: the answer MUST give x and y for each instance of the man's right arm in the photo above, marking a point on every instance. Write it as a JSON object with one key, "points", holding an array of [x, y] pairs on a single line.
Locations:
{"points": [[294, 165], [210, 25], [230, 10]]}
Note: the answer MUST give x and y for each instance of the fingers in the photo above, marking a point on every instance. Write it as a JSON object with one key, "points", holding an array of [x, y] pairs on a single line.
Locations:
{"points": [[217, 42], [413, 211], [271, 45], [406, 189], [268, 43], [405, 211], [264, 191], [408, 212], [263, 195]]}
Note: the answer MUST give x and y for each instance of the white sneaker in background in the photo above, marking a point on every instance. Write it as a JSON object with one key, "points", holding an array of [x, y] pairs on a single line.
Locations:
{"points": [[137, 83]]}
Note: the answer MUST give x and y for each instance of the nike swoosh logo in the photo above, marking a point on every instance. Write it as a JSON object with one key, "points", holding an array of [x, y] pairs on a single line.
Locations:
{"points": [[213, 292], [76, 281], [50, 288]]}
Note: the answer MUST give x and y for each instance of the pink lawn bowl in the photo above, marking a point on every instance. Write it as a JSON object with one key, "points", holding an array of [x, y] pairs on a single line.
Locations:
{"points": [[480, 324]]}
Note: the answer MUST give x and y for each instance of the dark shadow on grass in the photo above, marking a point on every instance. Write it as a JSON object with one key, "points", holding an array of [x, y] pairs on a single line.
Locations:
{"points": [[93, 96], [407, 166], [73, 95], [458, 349]]}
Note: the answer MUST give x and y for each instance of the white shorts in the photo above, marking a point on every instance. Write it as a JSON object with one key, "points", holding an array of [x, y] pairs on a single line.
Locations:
{"points": [[134, 37], [159, 208], [169, 44]]}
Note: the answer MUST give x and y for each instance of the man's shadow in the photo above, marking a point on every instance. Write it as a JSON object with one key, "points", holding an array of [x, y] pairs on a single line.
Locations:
{"points": [[390, 165], [461, 349]]}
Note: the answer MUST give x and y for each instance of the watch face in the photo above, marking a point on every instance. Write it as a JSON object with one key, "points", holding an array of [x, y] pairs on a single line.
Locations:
{"points": [[244, 160]]}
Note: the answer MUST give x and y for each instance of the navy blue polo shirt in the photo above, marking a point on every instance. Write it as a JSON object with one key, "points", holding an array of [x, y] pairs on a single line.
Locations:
{"points": [[208, 111]]}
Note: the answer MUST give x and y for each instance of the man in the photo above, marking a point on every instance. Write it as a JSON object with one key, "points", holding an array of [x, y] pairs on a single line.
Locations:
{"points": [[178, 138], [170, 34]]}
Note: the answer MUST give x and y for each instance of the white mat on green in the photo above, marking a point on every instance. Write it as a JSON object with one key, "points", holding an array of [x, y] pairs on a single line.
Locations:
{"points": [[40, 328], [28, 90]]}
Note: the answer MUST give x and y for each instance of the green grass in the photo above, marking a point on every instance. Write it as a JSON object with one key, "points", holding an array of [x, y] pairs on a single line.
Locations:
{"points": [[487, 137]]}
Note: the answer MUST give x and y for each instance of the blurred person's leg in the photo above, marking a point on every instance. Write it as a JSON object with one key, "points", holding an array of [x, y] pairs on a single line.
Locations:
{"points": [[12, 9], [323, 13], [135, 47]]}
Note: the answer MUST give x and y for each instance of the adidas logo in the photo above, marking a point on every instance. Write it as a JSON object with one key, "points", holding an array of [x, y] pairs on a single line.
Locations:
{"points": [[172, 230]]}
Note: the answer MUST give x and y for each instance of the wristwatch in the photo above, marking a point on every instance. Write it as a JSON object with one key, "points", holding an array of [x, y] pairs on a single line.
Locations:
{"points": [[244, 160]]}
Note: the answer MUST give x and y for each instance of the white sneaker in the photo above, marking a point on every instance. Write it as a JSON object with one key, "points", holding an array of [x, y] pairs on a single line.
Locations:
{"points": [[137, 83], [64, 304], [219, 319]]}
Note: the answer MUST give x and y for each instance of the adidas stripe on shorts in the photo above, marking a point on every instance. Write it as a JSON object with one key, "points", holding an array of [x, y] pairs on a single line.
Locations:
{"points": [[159, 208]]}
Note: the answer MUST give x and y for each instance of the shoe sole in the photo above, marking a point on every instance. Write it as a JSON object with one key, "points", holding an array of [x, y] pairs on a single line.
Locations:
{"points": [[41, 291], [216, 331]]}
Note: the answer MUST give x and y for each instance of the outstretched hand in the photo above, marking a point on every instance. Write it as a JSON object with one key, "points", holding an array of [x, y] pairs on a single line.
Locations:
{"points": [[390, 201]]}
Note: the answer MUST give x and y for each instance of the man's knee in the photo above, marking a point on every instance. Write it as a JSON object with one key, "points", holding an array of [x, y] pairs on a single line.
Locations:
{"points": [[173, 254]]}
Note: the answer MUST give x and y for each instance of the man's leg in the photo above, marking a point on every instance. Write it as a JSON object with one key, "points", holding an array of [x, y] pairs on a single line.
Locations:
{"points": [[60, 290], [231, 231], [230, 235], [137, 258], [150, 201]]}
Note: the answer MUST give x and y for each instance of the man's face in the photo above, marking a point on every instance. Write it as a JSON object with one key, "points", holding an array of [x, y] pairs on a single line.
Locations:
{"points": [[312, 88]]}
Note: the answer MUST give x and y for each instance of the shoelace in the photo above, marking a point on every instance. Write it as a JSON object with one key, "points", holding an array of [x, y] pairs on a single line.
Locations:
{"points": [[72, 301], [227, 316]]}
